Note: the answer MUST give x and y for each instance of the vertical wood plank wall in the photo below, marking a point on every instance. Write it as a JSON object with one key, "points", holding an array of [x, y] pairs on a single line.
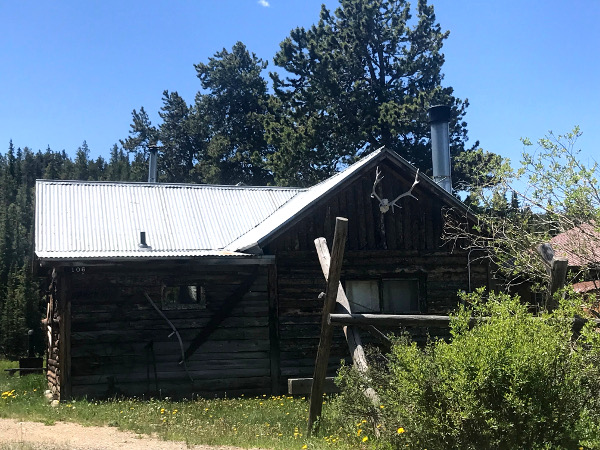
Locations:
{"points": [[410, 246]]}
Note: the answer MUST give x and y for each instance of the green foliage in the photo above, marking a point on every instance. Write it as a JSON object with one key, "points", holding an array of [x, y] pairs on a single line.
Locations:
{"points": [[20, 313], [360, 78], [20, 298], [561, 184], [218, 139], [232, 107], [560, 193], [178, 138], [511, 381]]}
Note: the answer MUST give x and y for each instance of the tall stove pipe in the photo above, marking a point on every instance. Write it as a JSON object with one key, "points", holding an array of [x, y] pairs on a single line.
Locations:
{"points": [[439, 117], [152, 163]]}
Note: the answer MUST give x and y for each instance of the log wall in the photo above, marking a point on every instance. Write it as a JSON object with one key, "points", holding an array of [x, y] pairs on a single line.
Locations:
{"points": [[51, 323], [120, 345]]}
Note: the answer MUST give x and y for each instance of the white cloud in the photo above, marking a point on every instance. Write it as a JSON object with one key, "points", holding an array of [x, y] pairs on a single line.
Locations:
{"points": [[264, 3]]}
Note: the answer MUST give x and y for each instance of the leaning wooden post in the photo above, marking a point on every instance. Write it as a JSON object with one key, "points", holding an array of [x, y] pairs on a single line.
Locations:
{"points": [[556, 267], [343, 307], [333, 281]]}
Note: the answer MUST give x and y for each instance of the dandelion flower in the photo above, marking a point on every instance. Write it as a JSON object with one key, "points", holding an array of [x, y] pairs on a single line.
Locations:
{"points": [[400, 430]]}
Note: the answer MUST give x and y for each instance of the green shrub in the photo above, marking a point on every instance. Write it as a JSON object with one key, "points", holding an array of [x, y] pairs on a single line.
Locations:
{"points": [[511, 381]]}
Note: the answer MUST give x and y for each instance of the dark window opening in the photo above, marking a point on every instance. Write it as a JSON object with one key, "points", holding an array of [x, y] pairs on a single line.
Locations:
{"points": [[387, 295], [184, 297]]}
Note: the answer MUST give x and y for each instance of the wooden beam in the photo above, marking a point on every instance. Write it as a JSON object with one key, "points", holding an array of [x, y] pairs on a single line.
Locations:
{"points": [[64, 313], [396, 320], [303, 386], [343, 306], [274, 350], [556, 267], [353, 339], [389, 320], [333, 282], [226, 260], [558, 277]]}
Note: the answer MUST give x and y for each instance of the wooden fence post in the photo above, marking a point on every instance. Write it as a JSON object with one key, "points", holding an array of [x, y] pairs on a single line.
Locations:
{"points": [[333, 281]]}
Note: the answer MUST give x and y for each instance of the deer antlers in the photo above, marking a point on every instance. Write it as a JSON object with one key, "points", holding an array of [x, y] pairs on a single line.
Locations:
{"points": [[384, 203]]}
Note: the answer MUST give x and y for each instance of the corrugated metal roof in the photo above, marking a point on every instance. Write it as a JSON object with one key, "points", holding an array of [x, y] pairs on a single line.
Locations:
{"points": [[77, 219], [141, 254]]}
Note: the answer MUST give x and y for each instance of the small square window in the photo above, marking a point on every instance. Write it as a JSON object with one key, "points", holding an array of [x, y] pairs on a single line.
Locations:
{"points": [[363, 295], [184, 297], [400, 296]]}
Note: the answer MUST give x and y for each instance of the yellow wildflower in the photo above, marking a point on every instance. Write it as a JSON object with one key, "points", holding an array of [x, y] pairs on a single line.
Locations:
{"points": [[400, 430]]}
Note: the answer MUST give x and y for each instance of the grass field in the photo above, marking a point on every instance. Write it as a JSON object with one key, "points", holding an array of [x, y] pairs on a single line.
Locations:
{"points": [[267, 422]]}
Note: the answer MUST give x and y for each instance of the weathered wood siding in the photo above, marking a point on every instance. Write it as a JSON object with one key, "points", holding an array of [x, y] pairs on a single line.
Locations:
{"points": [[404, 242], [121, 345]]}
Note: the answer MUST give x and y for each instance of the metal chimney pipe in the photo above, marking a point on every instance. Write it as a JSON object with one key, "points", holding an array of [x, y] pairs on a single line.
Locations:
{"points": [[153, 149], [439, 117], [143, 245]]}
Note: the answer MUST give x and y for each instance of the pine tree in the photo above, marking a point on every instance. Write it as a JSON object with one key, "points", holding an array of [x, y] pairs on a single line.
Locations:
{"points": [[232, 110], [81, 166], [118, 166], [14, 326], [359, 79]]}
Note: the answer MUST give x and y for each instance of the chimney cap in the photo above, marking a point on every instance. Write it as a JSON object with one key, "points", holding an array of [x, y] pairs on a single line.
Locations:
{"points": [[438, 113]]}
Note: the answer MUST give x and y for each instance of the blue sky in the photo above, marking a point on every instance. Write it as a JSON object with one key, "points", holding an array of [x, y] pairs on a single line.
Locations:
{"points": [[74, 70]]}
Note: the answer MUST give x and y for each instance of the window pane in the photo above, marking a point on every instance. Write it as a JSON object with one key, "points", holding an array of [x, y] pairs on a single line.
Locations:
{"points": [[184, 297], [171, 295], [400, 296], [363, 295]]}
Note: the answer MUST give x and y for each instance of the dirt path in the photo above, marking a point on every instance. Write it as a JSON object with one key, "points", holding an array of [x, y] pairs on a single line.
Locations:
{"points": [[72, 436]]}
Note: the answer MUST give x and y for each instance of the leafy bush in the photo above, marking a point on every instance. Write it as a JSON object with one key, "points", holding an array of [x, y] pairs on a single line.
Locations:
{"points": [[511, 381]]}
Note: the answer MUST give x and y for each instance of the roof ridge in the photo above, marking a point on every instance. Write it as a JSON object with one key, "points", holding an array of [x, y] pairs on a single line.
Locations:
{"points": [[181, 185]]}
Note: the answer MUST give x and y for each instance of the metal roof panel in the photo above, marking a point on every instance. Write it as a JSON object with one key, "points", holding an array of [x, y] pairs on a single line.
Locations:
{"points": [[77, 219]]}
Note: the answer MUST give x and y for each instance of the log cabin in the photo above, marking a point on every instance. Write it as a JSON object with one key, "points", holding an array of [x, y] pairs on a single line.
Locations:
{"points": [[174, 289], [198, 290]]}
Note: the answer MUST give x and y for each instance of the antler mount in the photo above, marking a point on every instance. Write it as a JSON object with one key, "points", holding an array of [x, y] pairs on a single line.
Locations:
{"points": [[384, 203]]}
